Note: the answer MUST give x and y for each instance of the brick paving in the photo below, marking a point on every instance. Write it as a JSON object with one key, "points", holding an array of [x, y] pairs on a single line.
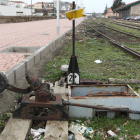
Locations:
{"points": [[28, 34], [8, 60]]}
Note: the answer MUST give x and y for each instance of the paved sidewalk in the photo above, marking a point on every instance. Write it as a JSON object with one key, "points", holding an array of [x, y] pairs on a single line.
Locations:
{"points": [[28, 34]]}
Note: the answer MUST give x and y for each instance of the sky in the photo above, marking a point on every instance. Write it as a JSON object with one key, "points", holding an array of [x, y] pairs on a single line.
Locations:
{"points": [[91, 6]]}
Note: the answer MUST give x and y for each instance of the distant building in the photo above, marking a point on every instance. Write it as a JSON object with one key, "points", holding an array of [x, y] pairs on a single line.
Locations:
{"points": [[97, 15], [14, 11], [40, 5], [65, 6], [30, 6], [17, 4], [71, 6], [49, 5], [131, 9], [110, 13], [55, 3], [4, 2]]}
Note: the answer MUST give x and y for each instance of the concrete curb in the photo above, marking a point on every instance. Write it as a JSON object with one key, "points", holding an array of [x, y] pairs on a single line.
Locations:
{"points": [[21, 69], [16, 129]]}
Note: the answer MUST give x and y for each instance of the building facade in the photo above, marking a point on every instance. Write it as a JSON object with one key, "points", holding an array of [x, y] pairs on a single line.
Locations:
{"points": [[131, 9], [111, 14], [4, 2], [49, 5], [65, 6], [135, 10], [13, 11], [17, 4], [40, 5]]}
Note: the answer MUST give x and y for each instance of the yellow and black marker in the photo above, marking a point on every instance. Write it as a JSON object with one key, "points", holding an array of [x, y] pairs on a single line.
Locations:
{"points": [[75, 14], [73, 75]]}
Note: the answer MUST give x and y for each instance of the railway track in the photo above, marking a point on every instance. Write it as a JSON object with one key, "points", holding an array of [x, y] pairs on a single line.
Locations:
{"points": [[131, 21], [129, 26], [127, 23], [117, 30], [125, 48]]}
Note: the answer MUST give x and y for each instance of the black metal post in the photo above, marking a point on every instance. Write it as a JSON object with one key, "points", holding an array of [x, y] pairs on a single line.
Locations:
{"points": [[73, 66], [73, 42], [73, 31]]}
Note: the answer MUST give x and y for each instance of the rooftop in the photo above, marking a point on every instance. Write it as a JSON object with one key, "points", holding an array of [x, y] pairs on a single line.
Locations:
{"points": [[127, 5], [40, 3], [109, 10], [18, 1]]}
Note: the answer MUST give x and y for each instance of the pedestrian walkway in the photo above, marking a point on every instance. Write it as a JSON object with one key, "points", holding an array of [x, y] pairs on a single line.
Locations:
{"points": [[28, 34]]}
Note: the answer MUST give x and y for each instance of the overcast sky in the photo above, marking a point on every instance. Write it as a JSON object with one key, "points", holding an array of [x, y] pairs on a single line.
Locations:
{"points": [[90, 5]]}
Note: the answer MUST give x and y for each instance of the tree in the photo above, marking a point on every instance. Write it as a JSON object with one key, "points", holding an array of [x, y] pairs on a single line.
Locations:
{"points": [[116, 4], [105, 11]]}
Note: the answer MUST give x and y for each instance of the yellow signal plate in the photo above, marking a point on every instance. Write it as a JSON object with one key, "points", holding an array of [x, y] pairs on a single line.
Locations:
{"points": [[75, 14]]}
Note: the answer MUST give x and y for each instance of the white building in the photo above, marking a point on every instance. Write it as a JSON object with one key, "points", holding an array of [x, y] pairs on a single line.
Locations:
{"points": [[17, 4], [13, 11], [40, 5], [4, 2], [49, 5], [55, 3], [65, 6]]}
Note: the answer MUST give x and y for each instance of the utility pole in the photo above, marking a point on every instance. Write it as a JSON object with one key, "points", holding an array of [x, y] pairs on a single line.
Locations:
{"points": [[58, 17], [53, 9], [76, 8], [31, 10]]}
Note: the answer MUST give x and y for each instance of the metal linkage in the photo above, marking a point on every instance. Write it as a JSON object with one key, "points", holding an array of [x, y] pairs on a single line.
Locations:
{"points": [[88, 82], [44, 106], [102, 108], [49, 106], [108, 93]]}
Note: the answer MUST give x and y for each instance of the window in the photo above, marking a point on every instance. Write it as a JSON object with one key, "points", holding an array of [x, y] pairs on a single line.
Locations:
{"points": [[19, 12]]}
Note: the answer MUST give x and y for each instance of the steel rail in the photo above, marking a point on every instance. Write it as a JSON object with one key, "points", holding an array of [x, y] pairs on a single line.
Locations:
{"points": [[131, 21], [118, 30], [127, 26], [134, 21], [127, 23], [130, 51]]}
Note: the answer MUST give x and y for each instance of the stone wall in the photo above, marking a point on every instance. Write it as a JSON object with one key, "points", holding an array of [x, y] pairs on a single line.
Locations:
{"points": [[14, 19], [135, 10]]}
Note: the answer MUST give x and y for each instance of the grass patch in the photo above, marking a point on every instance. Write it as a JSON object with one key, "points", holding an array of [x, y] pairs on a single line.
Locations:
{"points": [[115, 63], [3, 120], [103, 124]]}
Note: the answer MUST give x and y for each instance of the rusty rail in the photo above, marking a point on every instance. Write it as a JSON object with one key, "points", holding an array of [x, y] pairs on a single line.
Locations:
{"points": [[130, 51], [117, 30], [102, 108], [127, 23], [133, 27]]}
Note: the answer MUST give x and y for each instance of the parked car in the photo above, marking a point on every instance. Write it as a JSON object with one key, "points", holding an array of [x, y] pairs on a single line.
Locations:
{"points": [[136, 18], [128, 18], [132, 17]]}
